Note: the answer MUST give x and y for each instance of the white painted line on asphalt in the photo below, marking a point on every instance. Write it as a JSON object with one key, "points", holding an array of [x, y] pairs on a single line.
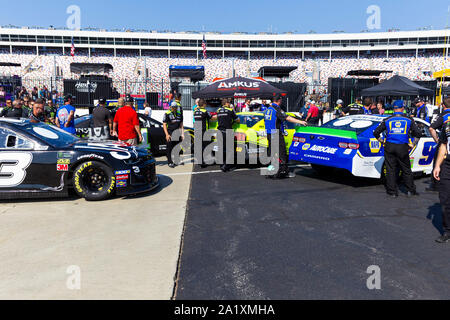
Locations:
{"points": [[218, 171]]}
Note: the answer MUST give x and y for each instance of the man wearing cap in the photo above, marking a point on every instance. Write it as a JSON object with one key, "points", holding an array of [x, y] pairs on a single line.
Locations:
{"points": [[102, 119], [126, 124], [173, 120], [65, 116], [274, 117], [354, 108], [398, 128], [421, 109], [313, 114], [338, 109]]}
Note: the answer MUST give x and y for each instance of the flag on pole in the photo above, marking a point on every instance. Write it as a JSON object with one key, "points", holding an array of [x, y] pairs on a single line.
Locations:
{"points": [[204, 47], [72, 49]]}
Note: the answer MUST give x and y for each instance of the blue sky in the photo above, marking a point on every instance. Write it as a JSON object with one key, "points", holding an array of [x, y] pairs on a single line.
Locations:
{"points": [[300, 16]]}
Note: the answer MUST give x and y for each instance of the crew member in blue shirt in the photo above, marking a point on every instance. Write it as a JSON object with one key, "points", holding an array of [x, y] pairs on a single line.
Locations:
{"points": [[398, 129], [65, 116], [273, 120]]}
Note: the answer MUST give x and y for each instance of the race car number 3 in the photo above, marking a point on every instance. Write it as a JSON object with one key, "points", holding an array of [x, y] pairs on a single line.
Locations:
{"points": [[13, 166]]}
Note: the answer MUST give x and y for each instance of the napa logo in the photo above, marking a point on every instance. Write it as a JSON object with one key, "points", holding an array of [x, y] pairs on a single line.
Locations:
{"points": [[398, 124], [306, 146], [374, 145]]}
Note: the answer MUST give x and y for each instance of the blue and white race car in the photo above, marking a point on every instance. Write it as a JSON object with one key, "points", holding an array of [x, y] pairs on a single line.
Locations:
{"points": [[348, 143]]}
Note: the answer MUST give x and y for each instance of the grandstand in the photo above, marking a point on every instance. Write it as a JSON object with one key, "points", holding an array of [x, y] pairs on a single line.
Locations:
{"points": [[44, 54]]}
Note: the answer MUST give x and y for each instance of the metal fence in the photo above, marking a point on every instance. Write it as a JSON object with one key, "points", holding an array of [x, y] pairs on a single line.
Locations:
{"points": [[155, 92]]}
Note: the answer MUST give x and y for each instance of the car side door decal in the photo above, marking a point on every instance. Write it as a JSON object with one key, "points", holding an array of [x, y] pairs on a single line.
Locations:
{"points": [[13, 168]]}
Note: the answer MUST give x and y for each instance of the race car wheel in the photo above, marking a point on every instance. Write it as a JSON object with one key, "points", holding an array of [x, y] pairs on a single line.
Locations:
{"points": [[94, 181], [322, 170]]}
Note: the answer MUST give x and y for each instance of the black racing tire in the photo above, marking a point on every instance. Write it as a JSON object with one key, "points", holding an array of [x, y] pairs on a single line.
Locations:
{"points": [[322, 170], [94, 181]]}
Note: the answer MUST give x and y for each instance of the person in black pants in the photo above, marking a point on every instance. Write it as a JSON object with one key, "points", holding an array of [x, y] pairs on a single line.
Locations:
{"points": [[201, 124], [173, 120], [274, 118], [441, 173], [225, 118], [398, 127], [438, 124]]}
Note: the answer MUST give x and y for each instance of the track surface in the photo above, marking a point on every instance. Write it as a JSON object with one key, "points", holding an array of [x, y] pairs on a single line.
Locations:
{"points": [[309, 237]]}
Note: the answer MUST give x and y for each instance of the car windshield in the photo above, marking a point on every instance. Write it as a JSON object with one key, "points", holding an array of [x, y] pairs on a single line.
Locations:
{"points": [[82, 119], [250, 120], [52, 135], [356, 124]]}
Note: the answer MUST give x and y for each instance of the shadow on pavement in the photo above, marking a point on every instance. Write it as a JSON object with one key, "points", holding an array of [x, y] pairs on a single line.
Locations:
{"points": [[164, 182], [435, 215], [339, 177]]}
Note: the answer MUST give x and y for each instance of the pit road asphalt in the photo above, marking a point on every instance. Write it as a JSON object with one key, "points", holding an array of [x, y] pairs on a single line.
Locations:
{"points": [[309, 237]]}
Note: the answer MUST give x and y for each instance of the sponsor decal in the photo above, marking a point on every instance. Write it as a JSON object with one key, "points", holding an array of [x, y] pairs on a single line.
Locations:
{"points": [[118, 173], [122, 177], [368, 163], [316, 157], [121, 183], [398, 127], [244, 84], [374, 145], [64, 155], [62, 167], [306, 146], [113, 183], [323, 149], [84, 87], [90, 156], [63, 161]]}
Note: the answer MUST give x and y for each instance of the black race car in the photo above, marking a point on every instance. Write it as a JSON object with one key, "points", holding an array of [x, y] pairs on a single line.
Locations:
{"points": [[38, 160], [151, 129]]}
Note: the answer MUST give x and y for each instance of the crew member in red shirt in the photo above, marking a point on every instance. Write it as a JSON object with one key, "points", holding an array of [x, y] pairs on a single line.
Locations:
{"points": [[127, 123], [313, 114]]}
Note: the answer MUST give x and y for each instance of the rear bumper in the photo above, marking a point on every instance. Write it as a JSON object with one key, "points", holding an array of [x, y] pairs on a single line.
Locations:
{"points": [[347, 159]]}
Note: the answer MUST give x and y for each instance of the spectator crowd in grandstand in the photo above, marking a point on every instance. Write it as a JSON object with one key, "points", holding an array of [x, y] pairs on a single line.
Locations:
{"points": [[36, 70]]}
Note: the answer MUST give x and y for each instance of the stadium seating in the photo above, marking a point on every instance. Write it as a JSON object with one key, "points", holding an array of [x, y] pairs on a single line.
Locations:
{"points": [[37, 69]]}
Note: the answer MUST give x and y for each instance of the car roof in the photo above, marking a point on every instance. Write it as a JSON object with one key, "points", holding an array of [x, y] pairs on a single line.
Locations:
{"points": [[14, 120]]}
